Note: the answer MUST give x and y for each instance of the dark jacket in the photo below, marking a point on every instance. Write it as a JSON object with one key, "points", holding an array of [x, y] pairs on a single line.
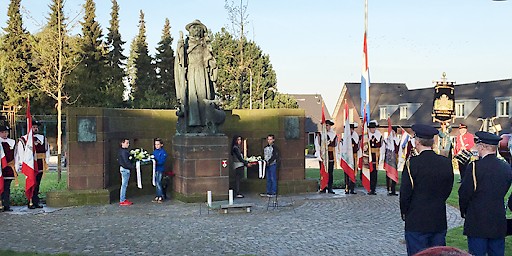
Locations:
{"points": [[484, 208], [424, 206], [123, 158], [237, 153], [271, 154]]}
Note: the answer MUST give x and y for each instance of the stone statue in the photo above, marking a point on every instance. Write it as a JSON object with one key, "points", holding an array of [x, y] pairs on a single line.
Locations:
{"points": [[195, 72]]}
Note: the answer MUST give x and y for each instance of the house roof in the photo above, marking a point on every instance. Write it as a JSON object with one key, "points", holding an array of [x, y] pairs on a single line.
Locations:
{"points": [[312, 105], [397, 94]]}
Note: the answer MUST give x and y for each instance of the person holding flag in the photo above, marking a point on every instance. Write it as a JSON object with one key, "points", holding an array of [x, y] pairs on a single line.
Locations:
{"points": [[427, 181], [390, 160], [347, 160], [331, 145], [8, 164], [376, 146], [354, 139], [34, 153]]}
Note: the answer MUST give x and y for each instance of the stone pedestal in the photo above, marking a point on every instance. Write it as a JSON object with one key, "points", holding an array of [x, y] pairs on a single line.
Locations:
{"points": [[198, 167]]}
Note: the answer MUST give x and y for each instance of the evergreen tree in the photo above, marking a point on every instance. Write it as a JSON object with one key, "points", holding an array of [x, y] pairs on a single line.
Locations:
{"points": [[256, 66], [144, 79], [165, 68], [88, 83], [114, 89], [18, 74]]}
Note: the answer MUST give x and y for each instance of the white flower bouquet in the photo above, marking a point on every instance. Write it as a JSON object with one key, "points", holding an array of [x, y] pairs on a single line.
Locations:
{"points": [[140, 154], [253, 159]]}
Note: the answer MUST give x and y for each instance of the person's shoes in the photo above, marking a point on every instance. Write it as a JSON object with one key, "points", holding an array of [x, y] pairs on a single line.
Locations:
{"points": [[155, 199], [270, 195], [125, 203], [392, 194], [130, 202], [331, 192], [353, 193], [160, 200], [322, 191], [346, 192], [264, 195], [239, 196], [38, 206], [7, 209], [31, 206], [372, 193]]}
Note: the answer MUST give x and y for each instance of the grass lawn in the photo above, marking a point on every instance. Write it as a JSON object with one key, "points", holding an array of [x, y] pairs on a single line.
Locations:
{"points": [[454, 237], [48, 183]]}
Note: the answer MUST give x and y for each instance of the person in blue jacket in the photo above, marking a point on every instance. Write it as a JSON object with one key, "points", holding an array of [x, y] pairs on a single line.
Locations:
{"points": [[160, 156]]}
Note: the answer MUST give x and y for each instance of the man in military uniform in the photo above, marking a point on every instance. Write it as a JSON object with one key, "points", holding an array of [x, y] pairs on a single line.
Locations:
{"points": [[7, 171], [43, 157], [464, 142], [481, 198], [427, 181], [349, 185], [376, 144]]}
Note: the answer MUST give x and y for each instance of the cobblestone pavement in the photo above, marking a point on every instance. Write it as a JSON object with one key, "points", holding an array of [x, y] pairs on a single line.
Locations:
{"points": [[306, 224]]}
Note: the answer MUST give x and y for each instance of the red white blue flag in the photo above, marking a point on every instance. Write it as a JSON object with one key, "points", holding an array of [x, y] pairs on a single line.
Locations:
{"points": [[365, 73]]}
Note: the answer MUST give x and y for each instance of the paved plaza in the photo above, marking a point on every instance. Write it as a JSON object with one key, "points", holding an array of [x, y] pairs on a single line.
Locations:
{"points": [[305, 224]]}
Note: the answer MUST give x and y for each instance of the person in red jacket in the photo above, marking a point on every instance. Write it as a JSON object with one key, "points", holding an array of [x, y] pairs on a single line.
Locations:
{"points": [[463, 142]]}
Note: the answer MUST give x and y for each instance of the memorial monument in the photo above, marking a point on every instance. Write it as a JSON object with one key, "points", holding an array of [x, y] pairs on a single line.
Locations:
{"points": [[199, 147]]}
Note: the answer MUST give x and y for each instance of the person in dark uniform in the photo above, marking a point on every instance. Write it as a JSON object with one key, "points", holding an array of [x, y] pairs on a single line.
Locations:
{"points": [[427, 180], [42, 154], [8, 172], [376, 144], [332, 143], [349, 185], [481, 198]]}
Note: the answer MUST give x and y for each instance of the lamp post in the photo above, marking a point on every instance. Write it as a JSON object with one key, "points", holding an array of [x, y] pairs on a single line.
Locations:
{"points": [[263, 96]]}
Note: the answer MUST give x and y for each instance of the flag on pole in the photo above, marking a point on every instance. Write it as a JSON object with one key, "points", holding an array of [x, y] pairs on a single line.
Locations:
{"points": [[27, 157], [324, 154], [365, 156], [365, 73], [390, 164], [402, 149], [347, 155]]}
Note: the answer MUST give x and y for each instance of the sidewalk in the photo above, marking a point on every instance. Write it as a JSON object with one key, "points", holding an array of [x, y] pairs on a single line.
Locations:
{"points": [[309, 224]]}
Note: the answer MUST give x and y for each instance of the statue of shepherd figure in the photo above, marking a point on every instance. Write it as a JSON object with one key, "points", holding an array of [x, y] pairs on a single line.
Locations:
{"points": [[195, 76]]}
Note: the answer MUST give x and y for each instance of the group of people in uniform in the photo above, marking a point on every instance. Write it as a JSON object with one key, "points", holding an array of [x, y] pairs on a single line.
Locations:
{"points": [[427, 181], [12, 165]]}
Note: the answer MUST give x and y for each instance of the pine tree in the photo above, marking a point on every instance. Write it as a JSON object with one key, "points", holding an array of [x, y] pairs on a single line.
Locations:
{"points": [[144, 80], [165, 68], [114, 89], [226, 50], [18, 78], [88, 78]]}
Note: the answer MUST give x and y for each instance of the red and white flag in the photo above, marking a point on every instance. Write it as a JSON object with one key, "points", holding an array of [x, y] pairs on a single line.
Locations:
{"points": [[323, 153], [27, 158], [390, 163], [347, 155], [364, 155]]}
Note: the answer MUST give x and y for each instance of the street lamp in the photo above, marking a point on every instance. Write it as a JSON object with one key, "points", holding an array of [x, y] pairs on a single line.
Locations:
{"points": [[263, 96]]}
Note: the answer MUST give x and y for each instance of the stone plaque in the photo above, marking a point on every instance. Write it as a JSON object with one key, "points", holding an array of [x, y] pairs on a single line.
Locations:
{"points": [[291, 127], [86, 129]]}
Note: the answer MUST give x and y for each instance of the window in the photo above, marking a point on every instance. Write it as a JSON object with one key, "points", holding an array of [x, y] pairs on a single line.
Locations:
{"points": [[383, 113], [503, 108], [459, 110], [403, 112]]}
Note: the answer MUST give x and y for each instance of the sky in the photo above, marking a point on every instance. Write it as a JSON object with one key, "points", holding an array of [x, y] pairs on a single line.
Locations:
{"points": [[316, 46]]}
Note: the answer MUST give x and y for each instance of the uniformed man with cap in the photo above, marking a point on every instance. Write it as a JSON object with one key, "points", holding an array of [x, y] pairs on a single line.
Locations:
{"points": [[481, 198], [8, 172], [43, 157], [349, 185], [427, 181], [376, 146]]}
